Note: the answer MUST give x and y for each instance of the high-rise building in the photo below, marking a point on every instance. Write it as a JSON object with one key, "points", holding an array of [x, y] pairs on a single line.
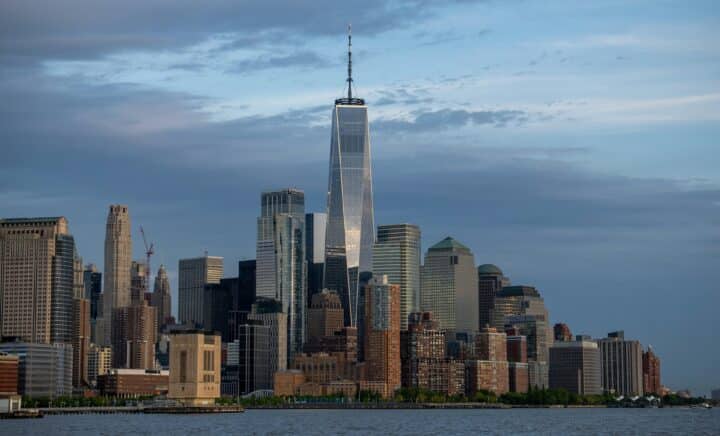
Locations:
{"points": [[651, 372], [92, 280], [325, 315], [46, 370], [134, 336], [36, 279], [382, 337], [81, 341], [351, 221], [489, 370], [219, 303], [161, 298], [194, 368], [449, 286], [269, 313], [396, 254], [621, 364], [118, 262], [78, 275], [194, 275], [561, 332], [139, 281], [490, 281], [315, 228], [250, 355], [99, 362], [246, 284], [575, 367], [281, 264]]}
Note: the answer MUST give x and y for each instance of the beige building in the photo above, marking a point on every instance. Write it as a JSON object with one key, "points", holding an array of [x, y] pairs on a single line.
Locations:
{"points": [[194, 274], [449, 286], [118, 260], [133, 337], [194, 367], [36, 279], [99, 362], [161, 299], [325, 315]]}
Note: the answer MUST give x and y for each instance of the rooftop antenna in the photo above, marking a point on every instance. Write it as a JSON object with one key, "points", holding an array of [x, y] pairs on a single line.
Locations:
{"points": [[349, 79]]}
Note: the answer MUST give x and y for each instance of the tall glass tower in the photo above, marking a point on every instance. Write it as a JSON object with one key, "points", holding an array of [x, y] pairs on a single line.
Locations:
{"points": [[350, 231]]}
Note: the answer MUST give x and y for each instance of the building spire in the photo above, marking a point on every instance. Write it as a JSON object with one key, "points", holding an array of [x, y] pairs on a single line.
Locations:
{"points": [[349, 79]]}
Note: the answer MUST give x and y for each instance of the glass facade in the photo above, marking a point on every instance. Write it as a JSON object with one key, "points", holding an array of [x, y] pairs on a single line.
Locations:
{"points": [[350, 231], [62, 293]]}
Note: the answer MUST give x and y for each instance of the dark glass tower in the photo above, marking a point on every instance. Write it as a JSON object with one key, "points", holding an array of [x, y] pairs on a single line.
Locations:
{"points": [[350, 231]]}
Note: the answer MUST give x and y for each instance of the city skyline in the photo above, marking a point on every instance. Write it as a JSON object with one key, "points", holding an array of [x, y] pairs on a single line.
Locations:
{"points": [[626, 224]]}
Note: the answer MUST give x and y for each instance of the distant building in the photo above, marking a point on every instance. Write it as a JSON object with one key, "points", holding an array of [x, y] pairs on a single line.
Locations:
{"points": [[490, 281], [45, 370], [325, 315], [161, 298], [382, 337], [575, 367], [118, 261], [489, 369], [517, 360], [449, 286], [621, 364], [246, 284], [133, 383], [194, 367], [219, 302], [396, 254], [99, 362], [248, 358], [92, 280], [81, 341], [518, 377], [269, 313], [562, 332], [37, 258], [139, 281], [194, 275], [651, 373], [133, 337], [9, 373], [315, 228], [281, 264]]}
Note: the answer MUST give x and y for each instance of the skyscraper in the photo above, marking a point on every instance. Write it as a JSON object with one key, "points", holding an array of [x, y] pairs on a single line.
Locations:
{"points": [[575, 366], [194, 274], [350, 223], [81, 341], [449, 286], [281, 265], [490, 281], [161, 298], [621, 364], [133, 337], [396, 253], [315, 228], [92, 280], [118, 260], [651, 372], [325, 315], [139, 281], [36, 279]]}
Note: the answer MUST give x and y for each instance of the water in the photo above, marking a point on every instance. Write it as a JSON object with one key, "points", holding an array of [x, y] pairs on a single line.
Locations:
{"points": [[361, 422]]}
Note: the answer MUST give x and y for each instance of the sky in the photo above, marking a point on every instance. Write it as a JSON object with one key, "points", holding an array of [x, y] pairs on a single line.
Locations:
{"points": [[573, 144]]}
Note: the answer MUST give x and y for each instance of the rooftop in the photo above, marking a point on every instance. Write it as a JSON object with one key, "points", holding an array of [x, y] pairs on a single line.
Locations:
{"points": [[489, 269], [518, 291], [449, 244]]}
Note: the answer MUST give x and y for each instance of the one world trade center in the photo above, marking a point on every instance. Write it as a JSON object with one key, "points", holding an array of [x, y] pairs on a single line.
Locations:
{"points": [[350, 223]]}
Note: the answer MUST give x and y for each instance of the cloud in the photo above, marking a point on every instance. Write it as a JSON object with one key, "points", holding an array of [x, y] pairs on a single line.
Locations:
{"points": [[302, 59], [444, 119]]}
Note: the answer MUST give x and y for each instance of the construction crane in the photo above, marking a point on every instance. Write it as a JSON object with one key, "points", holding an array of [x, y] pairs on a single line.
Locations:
{"points": [[149, 251]]}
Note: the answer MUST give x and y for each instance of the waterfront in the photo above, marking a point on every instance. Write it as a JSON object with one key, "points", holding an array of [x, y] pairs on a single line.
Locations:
{"points": [[416, 422]]}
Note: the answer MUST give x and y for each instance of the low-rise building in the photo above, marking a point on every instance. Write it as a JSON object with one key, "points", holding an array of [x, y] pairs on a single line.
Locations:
{"points": [[131, 383], [194, 367], [9, 373], [45, 370]]}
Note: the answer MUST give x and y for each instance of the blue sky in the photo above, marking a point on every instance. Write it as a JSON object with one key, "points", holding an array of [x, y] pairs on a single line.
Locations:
{"points": [[574, 144]]}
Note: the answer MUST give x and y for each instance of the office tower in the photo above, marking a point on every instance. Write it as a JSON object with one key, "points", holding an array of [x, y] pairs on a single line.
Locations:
{"points": [[281, 265], [561, 332], [45, 370], [315, 228], [246, 284], [651, 373], [139, 281], [36, 279], [133, 337], [78, 276], [81, 341], [351, 223], [518, 300], [575, 367], [194, 368], [382, 337], [92, 280], [99, 362], [490, 281], [489, 370], [269, 313], [194, 275], [422, 353], [118, 261], [219, 302], [396, 254], [621, 364], [449, 286], [251, 352], [161, 298], [325, 315]]}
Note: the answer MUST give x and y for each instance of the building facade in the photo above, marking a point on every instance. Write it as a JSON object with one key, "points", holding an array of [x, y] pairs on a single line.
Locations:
{"points": [[651, 373], [118, 262], [449, 286], [490, 281], [621, 365], [36, 279], [270, 315], [315, 228], [382, 337], [325, 315], [161, 298], [133, 383], [99, 362], [194, 367], [81, 342], [194, 274], [45, 370], [575, 367], [133, 337], [92, 280], [396, 254], [561, 332]]}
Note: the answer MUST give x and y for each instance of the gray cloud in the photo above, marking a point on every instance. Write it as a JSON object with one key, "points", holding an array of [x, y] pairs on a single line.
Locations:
{"points": [[301, 59], [448, 118]]}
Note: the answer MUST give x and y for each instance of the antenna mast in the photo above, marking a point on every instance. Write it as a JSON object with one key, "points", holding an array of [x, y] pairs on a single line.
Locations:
{"points": [[349, 79]]}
